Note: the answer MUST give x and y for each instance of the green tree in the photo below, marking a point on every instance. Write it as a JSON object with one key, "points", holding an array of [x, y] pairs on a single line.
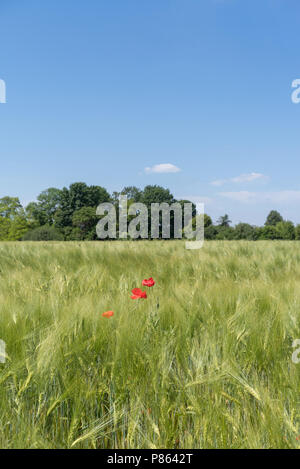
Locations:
{"points": [[19, 226], [245, 231], [13, 223], [132, 193], [194, 208], [43, 211], [156, 194], [43, 233], [77, 196], [210, 232], [273, 218], [297, 232], [285, 230], [85, 220], [207, 221], [225, 232], [268, 232], [224, 220], [5, 225], [10, 207], [193, 223]]}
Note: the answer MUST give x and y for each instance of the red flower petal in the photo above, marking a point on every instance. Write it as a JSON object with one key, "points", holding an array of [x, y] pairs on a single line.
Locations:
{"points": [[108, 314], [148, 282], [138, 293]]}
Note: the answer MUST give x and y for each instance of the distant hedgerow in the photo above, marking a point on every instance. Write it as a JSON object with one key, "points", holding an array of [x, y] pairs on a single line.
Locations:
{"points": [[43, 233]]}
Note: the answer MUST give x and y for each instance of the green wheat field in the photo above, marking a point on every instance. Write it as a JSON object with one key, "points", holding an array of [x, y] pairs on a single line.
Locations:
{"points": [[204, 362]]}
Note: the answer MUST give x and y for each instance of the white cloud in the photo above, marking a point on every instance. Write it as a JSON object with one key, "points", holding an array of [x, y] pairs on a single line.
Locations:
{"points": [[163, 168], [250, 177], [279, 197], [219, 182], [241, 196]]}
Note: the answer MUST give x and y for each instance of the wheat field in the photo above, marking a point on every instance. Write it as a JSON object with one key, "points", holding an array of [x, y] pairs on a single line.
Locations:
{"points": [[203, 362]]}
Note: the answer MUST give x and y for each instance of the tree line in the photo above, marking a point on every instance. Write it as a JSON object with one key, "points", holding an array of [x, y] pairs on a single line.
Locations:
{"points": [[69, 214]]}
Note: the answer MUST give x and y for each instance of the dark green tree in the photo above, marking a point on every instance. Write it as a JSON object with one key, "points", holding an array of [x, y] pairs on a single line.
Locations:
{"points": [[297, 232], [159, 195], [273, 218], [43, 211], [10, 207], [133, 193], [210, 232], [43, 233], [285, 230], [13, 223], [156, 194], [245, 231], [78, 195], [84, 221], [268, 232], [225, 232], [207, 221], [207, 224], [5, 226], [224, 220]]}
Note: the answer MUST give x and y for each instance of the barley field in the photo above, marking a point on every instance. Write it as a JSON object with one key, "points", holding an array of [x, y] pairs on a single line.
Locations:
{"points": [[203, 362]]}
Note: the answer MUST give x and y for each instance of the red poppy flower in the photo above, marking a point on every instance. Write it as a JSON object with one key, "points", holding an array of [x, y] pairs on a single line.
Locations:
{"points": [[148, 282], [108, 314], [138, 293]]}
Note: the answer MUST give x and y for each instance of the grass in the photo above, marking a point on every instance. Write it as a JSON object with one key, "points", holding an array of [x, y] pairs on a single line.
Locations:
{"points": [[204, 362]]}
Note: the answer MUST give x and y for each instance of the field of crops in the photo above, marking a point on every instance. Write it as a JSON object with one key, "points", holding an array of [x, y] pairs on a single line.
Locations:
{"points": [[203, 362]]}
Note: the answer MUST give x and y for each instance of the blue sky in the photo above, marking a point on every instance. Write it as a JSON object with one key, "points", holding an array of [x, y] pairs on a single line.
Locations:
{"points": [[106, 92]]}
